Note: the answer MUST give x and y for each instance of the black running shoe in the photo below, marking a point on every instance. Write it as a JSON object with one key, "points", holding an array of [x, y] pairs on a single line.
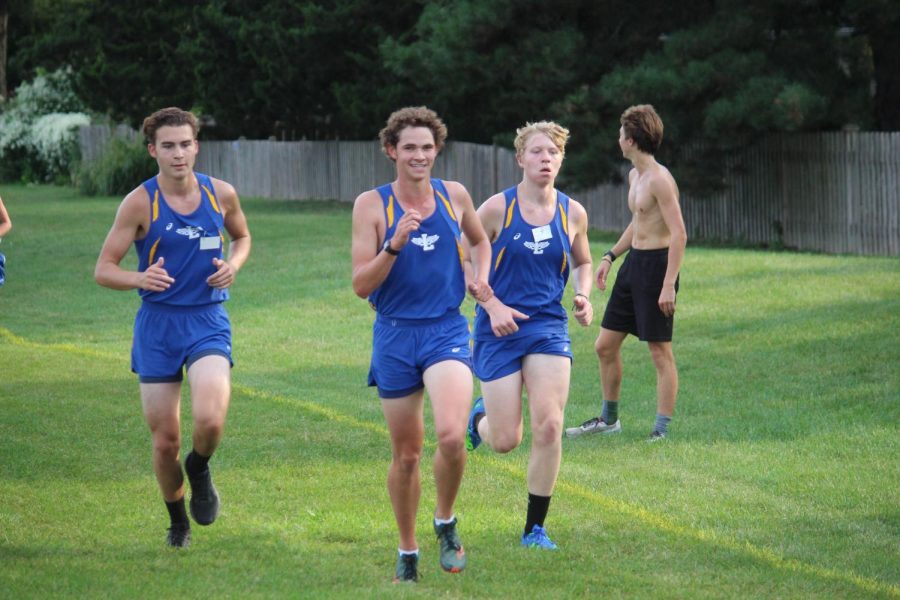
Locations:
{"points": [[407, 569], [179, 536], [204, 498]]}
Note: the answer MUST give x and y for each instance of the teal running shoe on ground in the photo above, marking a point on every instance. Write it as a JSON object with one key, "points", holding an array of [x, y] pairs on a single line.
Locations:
{"points": [[473, 440], [453, 555], [538, 538], [407, 569]]}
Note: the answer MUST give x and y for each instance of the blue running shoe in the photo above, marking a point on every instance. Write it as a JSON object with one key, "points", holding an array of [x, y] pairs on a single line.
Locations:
{"points": [[538, 538], [473, 440]]}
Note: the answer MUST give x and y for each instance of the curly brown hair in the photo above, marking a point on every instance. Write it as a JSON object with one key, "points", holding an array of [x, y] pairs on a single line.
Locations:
{"points": [[412, 116]]}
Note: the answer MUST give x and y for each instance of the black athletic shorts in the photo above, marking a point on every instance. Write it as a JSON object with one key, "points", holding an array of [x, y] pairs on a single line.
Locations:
{"points": [[633, 306]]}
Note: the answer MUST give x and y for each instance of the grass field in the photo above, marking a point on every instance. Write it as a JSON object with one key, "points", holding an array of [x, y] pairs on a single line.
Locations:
{"points": [[781, 477]]}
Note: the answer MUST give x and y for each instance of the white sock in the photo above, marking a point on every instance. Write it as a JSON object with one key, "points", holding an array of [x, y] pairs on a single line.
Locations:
{"points": [[444, 521]]}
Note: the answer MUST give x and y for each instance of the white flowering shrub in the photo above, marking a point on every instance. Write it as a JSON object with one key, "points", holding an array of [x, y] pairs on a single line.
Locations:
{"points": [[39, 129], [54, 138]]}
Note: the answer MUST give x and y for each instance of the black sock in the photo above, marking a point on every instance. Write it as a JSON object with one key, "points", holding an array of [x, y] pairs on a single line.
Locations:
{"points": [[177, 514], [195, 464], [537, 511]]}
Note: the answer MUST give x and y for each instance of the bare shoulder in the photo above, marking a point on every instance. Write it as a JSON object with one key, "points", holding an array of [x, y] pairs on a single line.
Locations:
{"points": [[367, 205], [136, 204], [662, 181], [632, 174], [493, 206], [225, 193], [458, 193], [577, 214]]}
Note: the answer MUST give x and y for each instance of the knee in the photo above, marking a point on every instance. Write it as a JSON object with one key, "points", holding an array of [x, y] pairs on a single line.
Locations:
{"points": [[407, 459], [606, 352], [662, 355], [209, 427], [505, 441], [548, 431], [451, 443], [167, 444]]}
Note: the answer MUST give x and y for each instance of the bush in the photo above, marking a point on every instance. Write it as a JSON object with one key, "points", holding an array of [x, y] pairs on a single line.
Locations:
{"points": [[39, 129], [123, 165]]}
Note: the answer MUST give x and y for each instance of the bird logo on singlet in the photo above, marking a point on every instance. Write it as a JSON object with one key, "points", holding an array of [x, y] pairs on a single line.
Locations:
{"points": [[537, 247], [425, 241], [190, 232]]}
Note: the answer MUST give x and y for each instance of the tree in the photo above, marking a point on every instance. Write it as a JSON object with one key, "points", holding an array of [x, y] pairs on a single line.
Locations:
{"points": [[744, 71], [4, 22]]}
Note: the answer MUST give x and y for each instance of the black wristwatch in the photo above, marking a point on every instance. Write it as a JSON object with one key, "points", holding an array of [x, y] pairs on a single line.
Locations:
{"points": [[387, 248]]}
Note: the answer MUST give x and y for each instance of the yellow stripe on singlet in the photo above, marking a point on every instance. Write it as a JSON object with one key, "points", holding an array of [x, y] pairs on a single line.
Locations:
{"points": [[499, 257], [565, 220], [563, 267], [446, 204], [155, 206], [459, 249], [390, 211], [212, 199], [509, 213], [153, 251]]}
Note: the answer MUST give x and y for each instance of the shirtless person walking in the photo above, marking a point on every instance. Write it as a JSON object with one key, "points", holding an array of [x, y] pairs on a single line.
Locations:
{"points": [[643, 299]]}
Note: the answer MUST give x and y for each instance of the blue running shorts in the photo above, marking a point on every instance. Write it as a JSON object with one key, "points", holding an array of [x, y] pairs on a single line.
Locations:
{"points": [[501, 356], [169, 338], [403, 348]]}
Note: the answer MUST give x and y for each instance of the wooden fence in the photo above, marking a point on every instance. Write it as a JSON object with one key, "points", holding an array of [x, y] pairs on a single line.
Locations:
{"points": [[827, 192]]}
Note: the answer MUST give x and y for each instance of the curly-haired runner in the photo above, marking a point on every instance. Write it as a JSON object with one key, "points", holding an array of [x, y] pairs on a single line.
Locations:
{"points": [[408, 261]]}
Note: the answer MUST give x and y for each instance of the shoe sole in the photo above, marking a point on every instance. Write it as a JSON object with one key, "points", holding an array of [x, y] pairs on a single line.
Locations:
{"points": [[577, 434]]}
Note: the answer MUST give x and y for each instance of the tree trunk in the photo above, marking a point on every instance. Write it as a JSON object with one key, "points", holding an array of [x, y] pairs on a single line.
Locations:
{"points": [[4, 20]]}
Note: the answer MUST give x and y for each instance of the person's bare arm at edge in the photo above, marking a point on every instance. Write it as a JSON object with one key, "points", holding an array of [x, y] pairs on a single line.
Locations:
{"points": [[622, 246], [236, 226], [665, 191], [131, 223], [5, 221], [583, 267], [503, 318]]}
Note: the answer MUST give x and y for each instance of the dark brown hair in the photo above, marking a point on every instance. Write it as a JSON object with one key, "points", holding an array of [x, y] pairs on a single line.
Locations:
{"points": [[168, 117], [643, 125]]}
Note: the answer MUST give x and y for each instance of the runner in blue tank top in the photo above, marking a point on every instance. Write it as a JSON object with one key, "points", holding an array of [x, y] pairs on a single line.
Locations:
{"points": [[521, 333], [408, 261], [178, 221]]}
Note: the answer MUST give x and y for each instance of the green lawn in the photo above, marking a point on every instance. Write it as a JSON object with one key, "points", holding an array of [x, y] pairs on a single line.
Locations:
{"points": [[780, 479]]}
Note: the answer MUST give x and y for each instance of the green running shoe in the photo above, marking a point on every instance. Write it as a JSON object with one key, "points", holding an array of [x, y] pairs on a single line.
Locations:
{"points": [[407, 569], [453, 555]]}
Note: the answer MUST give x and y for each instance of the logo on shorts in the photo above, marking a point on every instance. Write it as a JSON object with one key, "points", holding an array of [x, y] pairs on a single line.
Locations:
{"points": [[537, 247], [456, 350], [190, 232], [425, 241]]}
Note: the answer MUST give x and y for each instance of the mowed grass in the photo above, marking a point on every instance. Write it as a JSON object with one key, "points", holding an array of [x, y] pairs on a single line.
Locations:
{"points": [[780, 479]]}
